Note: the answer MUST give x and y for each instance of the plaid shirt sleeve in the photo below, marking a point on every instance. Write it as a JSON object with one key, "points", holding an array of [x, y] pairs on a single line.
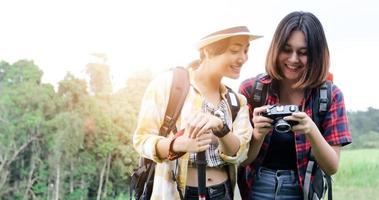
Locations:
{"points": [[335, 130], [335, 125], [245, 89]]}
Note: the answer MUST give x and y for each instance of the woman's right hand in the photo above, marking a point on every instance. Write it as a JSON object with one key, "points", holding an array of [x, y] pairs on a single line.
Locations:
{"points": [[185, 143], [262, 125]]}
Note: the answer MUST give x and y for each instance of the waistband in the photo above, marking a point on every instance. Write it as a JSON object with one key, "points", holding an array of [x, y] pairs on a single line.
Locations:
{"points": [[279, 172], [210, 189]]}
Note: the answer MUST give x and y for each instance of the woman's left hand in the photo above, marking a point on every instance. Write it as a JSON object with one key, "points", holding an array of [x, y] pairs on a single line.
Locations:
{"points": [[305, 123], [201, 123]]}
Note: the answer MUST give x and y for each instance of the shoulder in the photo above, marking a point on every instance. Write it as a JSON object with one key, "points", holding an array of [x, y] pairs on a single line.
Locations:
{"points": [[247, 82], [160, 85], [247, 86], [242, 99], [263, 78], [336, 93], [250, 81]]}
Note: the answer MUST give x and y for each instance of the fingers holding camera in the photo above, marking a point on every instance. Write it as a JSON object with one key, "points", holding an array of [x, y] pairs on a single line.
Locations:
{"points": [[304, 123], [260, 110], [262, 124]]}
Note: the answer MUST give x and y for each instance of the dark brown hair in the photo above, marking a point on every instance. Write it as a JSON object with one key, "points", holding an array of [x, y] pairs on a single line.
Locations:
{"points": [[317, 48]]}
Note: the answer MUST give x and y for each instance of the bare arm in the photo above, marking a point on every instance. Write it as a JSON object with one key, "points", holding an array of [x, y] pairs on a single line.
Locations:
{"points": [[229, 144], [255, 145], [262, 126], [327, 156], [183, 144]]}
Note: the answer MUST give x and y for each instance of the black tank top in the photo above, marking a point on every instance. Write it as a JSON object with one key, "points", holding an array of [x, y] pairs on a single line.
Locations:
{"points": [[281, 152]]}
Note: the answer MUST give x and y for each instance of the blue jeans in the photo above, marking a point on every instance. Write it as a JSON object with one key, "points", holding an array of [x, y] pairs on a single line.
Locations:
{"points": [[215, 192], [275, 184]]}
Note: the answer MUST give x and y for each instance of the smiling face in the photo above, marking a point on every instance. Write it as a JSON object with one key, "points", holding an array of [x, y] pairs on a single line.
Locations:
{"points": [[293, 57], [299, 53], [230, 62]]}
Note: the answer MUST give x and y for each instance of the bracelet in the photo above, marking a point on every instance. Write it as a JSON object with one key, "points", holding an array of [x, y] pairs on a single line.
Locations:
{"points": [[171, 154]]}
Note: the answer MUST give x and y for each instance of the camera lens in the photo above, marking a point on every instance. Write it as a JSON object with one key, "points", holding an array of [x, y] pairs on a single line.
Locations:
{"points": [[281, 126]]}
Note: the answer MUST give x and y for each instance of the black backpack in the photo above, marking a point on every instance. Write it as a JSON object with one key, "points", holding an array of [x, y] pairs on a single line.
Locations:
{"points": [[142, 179], [321, 183]]}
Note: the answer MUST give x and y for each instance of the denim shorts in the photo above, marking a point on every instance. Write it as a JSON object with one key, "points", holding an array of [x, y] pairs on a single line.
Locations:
{"points": [[275, 184], [221, 191]]}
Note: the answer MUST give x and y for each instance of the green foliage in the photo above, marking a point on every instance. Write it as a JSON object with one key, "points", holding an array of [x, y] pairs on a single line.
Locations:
{"points": [[23, 103], [99, 73], [64, 144], [357, 177], [364, 127]]}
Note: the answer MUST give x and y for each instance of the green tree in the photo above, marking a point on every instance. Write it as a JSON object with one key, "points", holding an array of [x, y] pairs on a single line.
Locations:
{"points": [[99, 73], [25, 106], [69, 144], [364, 126]]}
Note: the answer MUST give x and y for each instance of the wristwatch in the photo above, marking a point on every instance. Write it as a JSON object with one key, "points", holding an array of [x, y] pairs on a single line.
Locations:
{"points": [[225, 128]]}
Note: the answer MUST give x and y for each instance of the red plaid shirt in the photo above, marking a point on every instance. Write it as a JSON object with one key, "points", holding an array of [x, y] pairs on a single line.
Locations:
{"points": [[334, 124]]}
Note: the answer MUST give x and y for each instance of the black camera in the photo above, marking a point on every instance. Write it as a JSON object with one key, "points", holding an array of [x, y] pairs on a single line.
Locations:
{"points": [[277, 112]]}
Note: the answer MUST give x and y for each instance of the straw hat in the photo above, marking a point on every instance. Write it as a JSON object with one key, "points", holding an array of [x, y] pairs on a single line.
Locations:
{"points": [[225, 33]]}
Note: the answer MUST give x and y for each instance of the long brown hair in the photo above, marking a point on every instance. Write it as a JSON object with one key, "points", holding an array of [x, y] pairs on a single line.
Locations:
{"points": [[317, 48]]}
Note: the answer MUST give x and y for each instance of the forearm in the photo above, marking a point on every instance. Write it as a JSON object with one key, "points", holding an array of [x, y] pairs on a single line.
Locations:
{"points": [[255, 146], [162, 148], [229, 144], [327, 156]]}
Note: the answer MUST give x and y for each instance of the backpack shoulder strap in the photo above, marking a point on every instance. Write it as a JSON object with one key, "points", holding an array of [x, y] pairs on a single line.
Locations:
{"points": [[233, 102], [259, 92], [178, 93], [321, 103]]}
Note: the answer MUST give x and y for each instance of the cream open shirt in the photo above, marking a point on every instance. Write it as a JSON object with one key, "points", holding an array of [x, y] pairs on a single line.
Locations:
{"points": [[150, 119]]}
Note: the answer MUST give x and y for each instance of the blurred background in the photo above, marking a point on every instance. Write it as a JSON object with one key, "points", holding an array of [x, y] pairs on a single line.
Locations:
{"points": [[72, 74]]}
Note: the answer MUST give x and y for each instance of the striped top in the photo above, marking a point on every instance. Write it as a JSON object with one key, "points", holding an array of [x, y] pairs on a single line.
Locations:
{"points": [[212, 155]]}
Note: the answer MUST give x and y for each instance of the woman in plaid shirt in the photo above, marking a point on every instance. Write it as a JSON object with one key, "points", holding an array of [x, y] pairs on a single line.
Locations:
{"points": [[297, 63], [225, 142]]}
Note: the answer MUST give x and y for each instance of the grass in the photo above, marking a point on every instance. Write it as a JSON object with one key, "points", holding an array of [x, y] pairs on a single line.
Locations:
{"points": [[358, 175]]}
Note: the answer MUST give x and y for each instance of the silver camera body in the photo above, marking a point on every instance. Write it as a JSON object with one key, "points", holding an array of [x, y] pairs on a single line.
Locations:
{"points": [[277, 112]]}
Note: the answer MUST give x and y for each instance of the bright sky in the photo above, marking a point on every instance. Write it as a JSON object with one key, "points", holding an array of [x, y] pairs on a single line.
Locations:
{"points": [[60, 36]]}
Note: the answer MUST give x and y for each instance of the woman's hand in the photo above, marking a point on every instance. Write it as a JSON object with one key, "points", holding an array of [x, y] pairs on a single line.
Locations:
{"points": [[305, 123], [202, 123], [186, 144], [262, 125]]}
